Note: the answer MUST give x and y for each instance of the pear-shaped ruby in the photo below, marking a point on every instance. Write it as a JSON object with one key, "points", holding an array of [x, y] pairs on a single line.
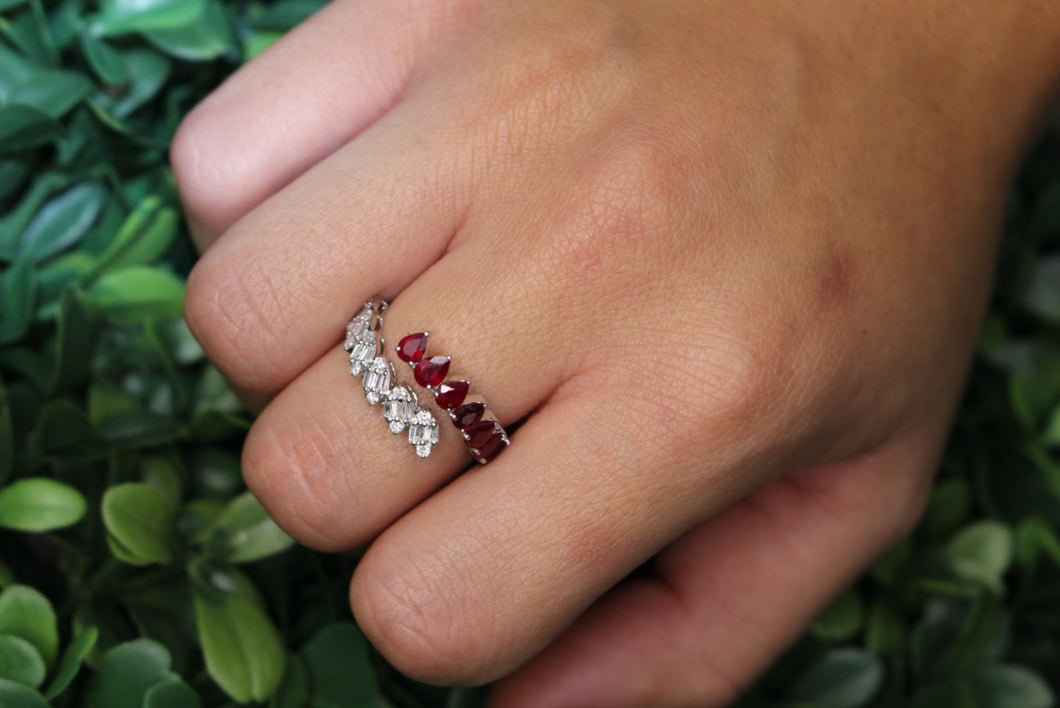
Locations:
{"points": [[480, 433], [412, 347], [468, 414], [431, 372], [451, 394], [491, 448]]}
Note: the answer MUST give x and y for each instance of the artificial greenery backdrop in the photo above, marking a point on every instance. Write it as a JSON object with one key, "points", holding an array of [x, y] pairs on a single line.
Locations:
{"points": [[135, 570]]}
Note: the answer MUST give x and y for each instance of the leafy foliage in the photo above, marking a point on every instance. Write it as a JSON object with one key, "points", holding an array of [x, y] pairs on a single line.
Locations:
{"points": [[136, 571]]}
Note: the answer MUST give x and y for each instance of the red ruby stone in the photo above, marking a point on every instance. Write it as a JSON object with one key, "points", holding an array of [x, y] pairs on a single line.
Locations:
{"points": [[491, 448], [412, 348], [431, 372], [468, 414], [480, 433], [451, 394]]}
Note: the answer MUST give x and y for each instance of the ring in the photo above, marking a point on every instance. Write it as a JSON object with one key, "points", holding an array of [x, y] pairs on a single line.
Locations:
{"points": [[401, 408], [483, 436]]}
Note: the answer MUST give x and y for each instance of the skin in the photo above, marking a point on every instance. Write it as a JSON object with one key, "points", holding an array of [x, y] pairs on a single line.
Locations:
{"points": [[725, 261]]}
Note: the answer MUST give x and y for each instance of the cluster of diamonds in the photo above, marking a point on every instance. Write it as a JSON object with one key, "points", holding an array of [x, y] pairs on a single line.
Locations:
{"points": [[483, 435], [400, 406]]}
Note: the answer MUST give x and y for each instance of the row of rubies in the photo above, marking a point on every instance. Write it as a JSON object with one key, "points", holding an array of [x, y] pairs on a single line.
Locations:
{"points": [[400, 406], [484, 437]]}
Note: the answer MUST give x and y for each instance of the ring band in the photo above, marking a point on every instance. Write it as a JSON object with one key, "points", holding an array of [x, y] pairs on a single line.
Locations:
{"points": [[484, 436], [401, 408]]}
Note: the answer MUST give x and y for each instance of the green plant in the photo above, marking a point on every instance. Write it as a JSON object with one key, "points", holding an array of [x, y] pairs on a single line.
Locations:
{"points": [[135, 569]]}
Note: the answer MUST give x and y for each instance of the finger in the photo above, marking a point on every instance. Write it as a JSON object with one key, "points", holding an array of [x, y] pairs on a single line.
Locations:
{"points": [[310, 93], [271, 296], [321, 459], [732, 594], [485, 573]]}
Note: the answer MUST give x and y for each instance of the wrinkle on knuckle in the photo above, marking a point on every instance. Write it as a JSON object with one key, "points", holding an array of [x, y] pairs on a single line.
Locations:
{"points": [[411, 618], [231, 310], [291, 469]]}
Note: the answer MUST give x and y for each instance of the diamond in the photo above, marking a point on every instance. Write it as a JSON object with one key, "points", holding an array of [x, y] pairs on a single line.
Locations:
{"points": [[357, 328], [412, 347], [399, 408], [423, 433], [377, 380], [468, 414], [451, 394], [431, 372], [362, 353]]}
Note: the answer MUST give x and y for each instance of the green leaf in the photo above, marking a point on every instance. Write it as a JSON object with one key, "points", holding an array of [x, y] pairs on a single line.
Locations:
{"points": [[1043, 289], [18, 299], [105, 60], [136, 293], [127, 672], [1003, 686], [76, 340], [15, 222], [947, 508], [148, 71], [243, 651], [24, 127], [294, 690], [20, 661], [40, 504], [172, 694], [340, 669], [886, 632], [208, 37], [7, 435], [70, 664], [947, 694], [64, 431], [136, 429], [146, 234], [15, 695], [140, 523], [120, 17], [842, 620], [26, 84], [63, 221], [25, 613], [248, 531], [842, 678], [981, 553]]}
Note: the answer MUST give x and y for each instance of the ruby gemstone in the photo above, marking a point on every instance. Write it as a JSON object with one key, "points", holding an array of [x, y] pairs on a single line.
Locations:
{"points": [[412, 348], [451, 394], [431, 372], [468, 414], [480, 433], [491, 448]]}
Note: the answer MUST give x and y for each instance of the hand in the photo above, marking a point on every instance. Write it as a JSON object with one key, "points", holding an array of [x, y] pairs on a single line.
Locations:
{"points": [[725, 262]]}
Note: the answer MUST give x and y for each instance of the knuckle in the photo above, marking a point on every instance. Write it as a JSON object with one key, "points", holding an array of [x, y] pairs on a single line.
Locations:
{"points": [[227, 314], [204, 168], [287, 468], [413, 619]]}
